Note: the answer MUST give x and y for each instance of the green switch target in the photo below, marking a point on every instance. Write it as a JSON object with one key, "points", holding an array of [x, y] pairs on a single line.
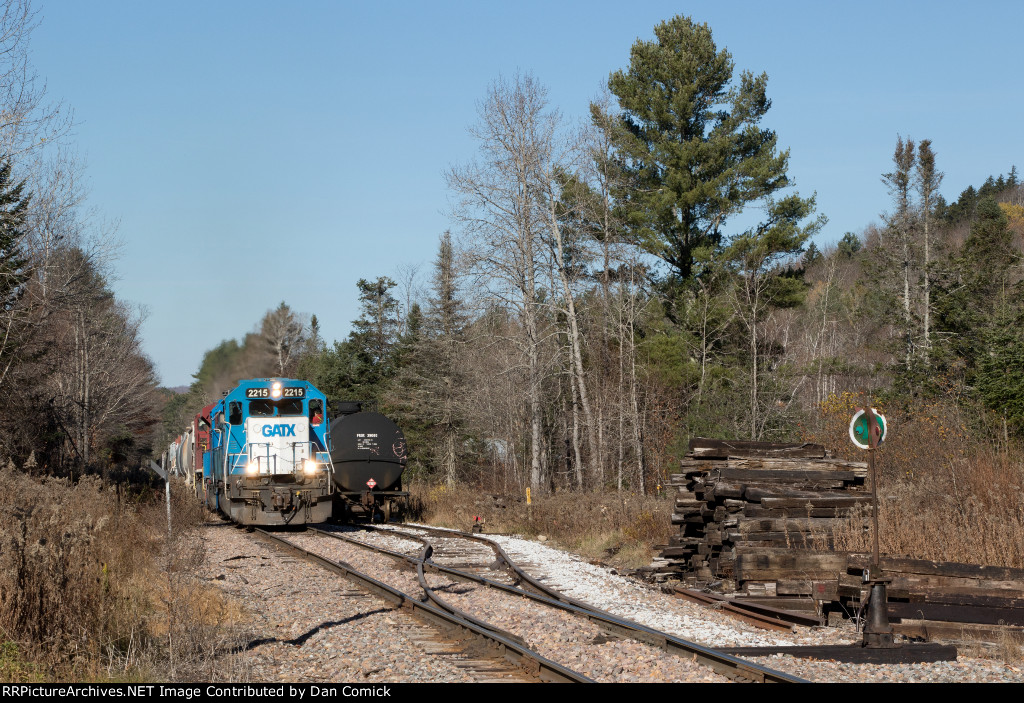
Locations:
{"points": [[859, 432]]}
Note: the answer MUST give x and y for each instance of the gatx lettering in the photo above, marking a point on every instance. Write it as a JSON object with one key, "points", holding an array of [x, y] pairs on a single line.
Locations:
{"points": [[279, 430]]}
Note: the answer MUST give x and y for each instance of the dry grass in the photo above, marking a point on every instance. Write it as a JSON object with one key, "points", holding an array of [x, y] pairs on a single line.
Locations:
{"points": [[92, 588], [618, 528], [946, 492], [978, 519]]}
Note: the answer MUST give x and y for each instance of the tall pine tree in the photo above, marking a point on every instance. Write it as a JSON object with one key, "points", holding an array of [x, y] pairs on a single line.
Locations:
{"points": [[13, 265], [13, 210], [691, 149]]}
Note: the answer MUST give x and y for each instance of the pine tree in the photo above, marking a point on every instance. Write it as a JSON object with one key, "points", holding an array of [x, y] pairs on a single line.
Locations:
{"points": [[376, 330], [13, 263], [427, 389], [968, 302], [691, 148], [900, 224], [927, 180], [1000, 379]]}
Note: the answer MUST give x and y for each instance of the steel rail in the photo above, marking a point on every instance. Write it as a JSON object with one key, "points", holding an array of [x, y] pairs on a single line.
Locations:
{"points": [[525, 658], [503, 557], [725, 664]]}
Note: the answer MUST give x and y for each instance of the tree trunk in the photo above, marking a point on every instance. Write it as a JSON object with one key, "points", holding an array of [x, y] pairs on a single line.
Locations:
{"points": [[575, 341]]}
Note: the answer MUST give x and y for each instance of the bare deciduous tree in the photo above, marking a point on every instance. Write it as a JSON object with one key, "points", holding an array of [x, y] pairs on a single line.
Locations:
{"points": [[498, 208], [285, 334]]}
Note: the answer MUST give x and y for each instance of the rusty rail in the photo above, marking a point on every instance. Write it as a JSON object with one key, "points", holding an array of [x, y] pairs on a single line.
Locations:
{"points": [[527, 659], [725, 664]]}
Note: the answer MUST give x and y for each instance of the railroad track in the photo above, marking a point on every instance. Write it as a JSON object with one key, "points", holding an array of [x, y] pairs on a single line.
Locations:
{"points": [[452, 566], [497, 646]]}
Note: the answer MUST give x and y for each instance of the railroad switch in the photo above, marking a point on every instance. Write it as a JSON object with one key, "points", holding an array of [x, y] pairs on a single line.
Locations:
{"points": [[877, 630]]}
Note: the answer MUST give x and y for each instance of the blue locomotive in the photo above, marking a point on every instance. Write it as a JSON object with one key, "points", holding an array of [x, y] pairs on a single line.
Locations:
{"points": [[268, 460]]}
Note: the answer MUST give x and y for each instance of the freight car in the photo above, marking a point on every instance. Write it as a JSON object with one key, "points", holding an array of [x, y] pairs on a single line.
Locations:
{"points": [[369, 457], [265, 455]]}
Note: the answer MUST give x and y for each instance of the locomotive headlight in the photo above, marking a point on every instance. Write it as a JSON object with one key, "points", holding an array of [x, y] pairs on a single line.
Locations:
{"points": [[275, 390], [252, 469], [309, 467]]}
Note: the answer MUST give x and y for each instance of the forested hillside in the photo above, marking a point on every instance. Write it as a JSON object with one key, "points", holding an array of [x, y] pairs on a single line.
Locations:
{"points": [[76, 391], [606, 293], [603, 292]]}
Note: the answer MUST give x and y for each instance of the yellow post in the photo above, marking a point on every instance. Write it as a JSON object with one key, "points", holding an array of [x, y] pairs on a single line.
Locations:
{"points": [[528, 496]]}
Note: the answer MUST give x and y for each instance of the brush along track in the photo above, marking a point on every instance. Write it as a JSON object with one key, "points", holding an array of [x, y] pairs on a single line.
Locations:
{"points": [[528, 660], [582, 637]]}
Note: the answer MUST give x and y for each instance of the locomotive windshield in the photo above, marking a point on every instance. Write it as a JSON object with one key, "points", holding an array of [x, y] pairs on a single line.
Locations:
{"points": [[272, 408]]}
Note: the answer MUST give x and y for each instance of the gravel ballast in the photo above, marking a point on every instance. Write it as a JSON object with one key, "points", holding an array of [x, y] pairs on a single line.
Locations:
{"points": [[305, 624], [635, 600]]}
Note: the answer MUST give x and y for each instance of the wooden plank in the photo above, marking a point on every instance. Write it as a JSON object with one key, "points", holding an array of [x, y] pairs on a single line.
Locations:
{"points": [[858, 468], [941, 568], [794, 587], [789, 524], [918, 583], [720, 448], [956, 613], [792, 540], [688, 503], [681, 518], [902, 588], [977, 597], [819, 501], [821, 478], [827, 590], [831, 513], [932, 629], [719, 490], [758, 493], [781, 564]]}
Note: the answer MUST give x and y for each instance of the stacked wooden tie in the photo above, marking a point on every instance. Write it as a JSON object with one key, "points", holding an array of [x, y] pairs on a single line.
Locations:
{"points": [[758, 520], [737, 498]]}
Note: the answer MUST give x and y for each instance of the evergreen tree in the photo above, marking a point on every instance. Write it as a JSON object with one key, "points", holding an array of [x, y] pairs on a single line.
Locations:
{"points": [[427, 389], [690, 145], [376, 330], [811, 256], [848, 245], [927, 180], [13, 267], [969, 299], [13, 210], [987, 259], [1000, 379], [900, 230]]}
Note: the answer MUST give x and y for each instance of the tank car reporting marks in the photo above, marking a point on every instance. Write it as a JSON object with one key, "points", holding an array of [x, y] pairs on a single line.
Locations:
{"points": [[367, 440]]}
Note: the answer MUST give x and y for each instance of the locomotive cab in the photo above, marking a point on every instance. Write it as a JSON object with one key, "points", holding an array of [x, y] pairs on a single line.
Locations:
{"points": [[270, 462]]}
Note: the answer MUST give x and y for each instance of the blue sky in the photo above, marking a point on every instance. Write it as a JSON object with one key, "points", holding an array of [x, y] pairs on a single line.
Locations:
{"points": [[255, 152]]}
